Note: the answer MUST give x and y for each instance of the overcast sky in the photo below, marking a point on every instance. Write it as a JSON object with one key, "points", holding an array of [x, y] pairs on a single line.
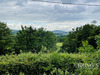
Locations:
{"points": [[52, 16]]}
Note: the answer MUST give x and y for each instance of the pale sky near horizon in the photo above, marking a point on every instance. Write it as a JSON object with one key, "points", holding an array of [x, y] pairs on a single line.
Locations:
{"points": [[51, 16]]}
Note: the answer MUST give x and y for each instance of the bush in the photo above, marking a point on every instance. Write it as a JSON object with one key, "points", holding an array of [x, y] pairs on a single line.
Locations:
{"points": [[97, 37], [6, 39], [45, 64], [86, 47]]}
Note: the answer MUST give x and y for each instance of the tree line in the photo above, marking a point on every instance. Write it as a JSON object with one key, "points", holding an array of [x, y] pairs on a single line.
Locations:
{"points": [[27, 39], [81, 39]]}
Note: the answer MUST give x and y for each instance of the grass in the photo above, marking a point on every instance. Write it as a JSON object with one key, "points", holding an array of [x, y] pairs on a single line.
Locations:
{"points": [[59, 44]]}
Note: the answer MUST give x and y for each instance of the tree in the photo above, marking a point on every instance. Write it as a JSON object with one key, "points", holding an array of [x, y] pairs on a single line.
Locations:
{"points": [[97, 37], [6, 40], [26, 40], [86, 47], [94, 22], [83, 33], [50, 40], [29, 39], [69, 45]]}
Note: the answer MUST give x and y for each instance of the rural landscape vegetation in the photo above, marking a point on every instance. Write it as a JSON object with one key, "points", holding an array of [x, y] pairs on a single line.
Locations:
{"points": [[49, 37], [32, 51]]}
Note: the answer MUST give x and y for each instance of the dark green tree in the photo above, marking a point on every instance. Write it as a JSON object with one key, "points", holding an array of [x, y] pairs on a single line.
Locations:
{"points": [[48, 39], [30, 39], [83, 33], [6, 39], [69, 45], [27, 40], [97, 37]]}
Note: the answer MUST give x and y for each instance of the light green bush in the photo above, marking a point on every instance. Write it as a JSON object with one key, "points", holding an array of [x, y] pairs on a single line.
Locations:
{"points": [[97, 37], [48, 64], [86, 47]]}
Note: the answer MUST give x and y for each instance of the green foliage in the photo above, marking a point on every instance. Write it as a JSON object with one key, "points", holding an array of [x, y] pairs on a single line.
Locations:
{"points": [[6, 39], [97, 37], [94, 22], [43, 49], [86, 47], [69, 45], [82, 39], [29, 39], [48, 39], [83, 33], [51, 63], [58, 46], [61, 37]]}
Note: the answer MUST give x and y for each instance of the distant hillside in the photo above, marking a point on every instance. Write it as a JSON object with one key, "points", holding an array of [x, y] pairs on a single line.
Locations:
{"points": [[60, 32], [14, 31], [56, 32]]}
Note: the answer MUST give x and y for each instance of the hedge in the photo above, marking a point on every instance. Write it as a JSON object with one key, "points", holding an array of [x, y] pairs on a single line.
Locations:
{"points": [[50, 64]]}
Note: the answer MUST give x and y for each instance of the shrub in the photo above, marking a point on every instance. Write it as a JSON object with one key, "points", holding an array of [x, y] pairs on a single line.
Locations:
{"points": [[51, 63], [86, 47], [97, 37]]}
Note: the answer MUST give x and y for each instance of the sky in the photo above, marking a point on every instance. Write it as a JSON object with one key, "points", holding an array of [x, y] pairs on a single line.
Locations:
{"points": [[51, 16]]}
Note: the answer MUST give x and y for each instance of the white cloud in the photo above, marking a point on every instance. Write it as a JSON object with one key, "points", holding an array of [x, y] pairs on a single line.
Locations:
{"points": [[51, 15]]}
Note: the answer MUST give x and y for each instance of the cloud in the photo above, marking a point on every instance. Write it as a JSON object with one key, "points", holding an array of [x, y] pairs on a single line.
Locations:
{"points": [[91, 1], [22, 11], [70, 1], [21, 2], [40, 11]]}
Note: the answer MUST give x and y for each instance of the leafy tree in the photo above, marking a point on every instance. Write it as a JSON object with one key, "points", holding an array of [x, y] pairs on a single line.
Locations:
{"points": [[86, 47], [29, 39], [76, 36], [6, 41], [61, 37], [26, 40], [69, 45], [50, 40], [97, 37], [94, 22]]}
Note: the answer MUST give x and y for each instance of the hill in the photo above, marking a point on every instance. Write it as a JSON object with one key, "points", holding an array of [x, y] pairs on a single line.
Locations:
{"points": [[60, 32], [14, 31]]}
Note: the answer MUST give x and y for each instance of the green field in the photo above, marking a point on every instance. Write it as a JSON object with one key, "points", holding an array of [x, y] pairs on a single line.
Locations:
{"points": [[58, 46]]}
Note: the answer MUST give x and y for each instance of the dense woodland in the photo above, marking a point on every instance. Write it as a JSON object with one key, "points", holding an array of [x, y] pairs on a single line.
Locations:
{"points": [[34, 51]]}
